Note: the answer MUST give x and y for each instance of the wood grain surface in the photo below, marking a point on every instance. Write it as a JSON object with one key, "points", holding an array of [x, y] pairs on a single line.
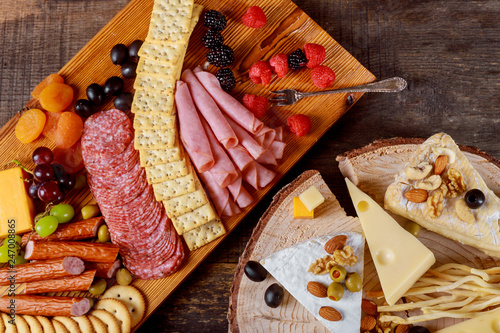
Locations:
{"points": [[447, 50]]}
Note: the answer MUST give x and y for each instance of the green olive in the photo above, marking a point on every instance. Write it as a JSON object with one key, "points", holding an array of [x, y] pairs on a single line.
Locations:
{"points": [[413, 228], [353, 282], [103, 234], [98, 287], [123, 277], [89, 211], [335, 291], [338, 273]]}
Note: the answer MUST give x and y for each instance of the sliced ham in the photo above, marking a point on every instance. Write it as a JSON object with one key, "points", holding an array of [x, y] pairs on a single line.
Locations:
{"points": [[231, 209], [192, 134], [240, 157], [223, 171], [258, 176], [265, 136], [239, 193], [231, 106], [277, 148], [246, 140], [279, 133], [220, 196], [267, 158], [210, 111]]}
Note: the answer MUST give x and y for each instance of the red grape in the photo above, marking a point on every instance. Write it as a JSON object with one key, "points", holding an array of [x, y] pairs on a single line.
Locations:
{"points": [[49, 191], [66, 182], [43, 173], [33, 190], [42, 155]]}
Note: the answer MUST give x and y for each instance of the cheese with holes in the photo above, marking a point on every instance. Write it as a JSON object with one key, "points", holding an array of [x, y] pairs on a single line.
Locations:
{"points": [[400, 258], [300, 211], [311, 198], [487, 323], [16, 207]]}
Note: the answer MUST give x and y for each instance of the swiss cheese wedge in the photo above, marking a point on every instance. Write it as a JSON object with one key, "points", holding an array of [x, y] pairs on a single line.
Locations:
{"points": [[400, 258]]}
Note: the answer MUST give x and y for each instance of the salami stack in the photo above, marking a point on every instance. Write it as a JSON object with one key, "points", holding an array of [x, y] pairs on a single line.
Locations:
{"points": [[149, 245]]}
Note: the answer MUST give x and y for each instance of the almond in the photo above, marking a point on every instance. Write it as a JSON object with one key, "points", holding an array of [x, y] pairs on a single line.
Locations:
{"points": [[403, 328], [440, 164], [368, 323], [417, 195], [369, 307], [336, 243], [330, 313], [316, 289]]}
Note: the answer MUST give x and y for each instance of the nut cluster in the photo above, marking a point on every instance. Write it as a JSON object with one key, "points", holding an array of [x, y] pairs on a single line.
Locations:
{"points": [[371, 321], [344, 257]]}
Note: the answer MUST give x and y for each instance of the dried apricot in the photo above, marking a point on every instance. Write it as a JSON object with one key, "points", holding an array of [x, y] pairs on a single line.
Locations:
{"points": [[56, 97], [52, 78], [69, 130], [49, 131], [30, 125]]}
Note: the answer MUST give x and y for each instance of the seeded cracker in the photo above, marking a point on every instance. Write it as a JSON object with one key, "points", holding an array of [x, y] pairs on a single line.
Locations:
{"points": [[174, 187], [185, 203], [150, 157], [194, 219], [154, 139], [204, 234], [148, 66], [162, 172], [167, 53], [146, 101], [163, 84], [154, 120]]}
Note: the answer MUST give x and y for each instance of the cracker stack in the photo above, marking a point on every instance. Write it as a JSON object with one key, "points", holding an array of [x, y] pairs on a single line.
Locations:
{"points": [[168, 167]]}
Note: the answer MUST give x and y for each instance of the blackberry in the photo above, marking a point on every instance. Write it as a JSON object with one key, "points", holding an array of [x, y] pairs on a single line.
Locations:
{"points": [[212, 39], [221, 57], [297, 60], [226, 79], [215, 20]]}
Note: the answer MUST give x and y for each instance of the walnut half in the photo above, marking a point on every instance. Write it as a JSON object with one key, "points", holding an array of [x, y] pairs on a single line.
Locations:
{"points": [[344, 257], [453, 184], [435, 204]]}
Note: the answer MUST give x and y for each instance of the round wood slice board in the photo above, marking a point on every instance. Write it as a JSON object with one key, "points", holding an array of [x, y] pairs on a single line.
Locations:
{"points": [[372, 168]]}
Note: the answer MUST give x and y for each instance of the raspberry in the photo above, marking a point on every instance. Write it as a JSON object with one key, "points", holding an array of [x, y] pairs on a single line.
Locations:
{"points": [[256, 104], [226, 79], [221, 57], [315, 54], [214, 20], [212, 39], [297, 60], [299, 124], [322, 76], [279, 63], [254, 17], [260, 72]]}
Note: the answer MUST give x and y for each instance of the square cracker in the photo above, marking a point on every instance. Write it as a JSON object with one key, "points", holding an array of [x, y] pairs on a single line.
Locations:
{"points": [[154, 120], [154, 138], [194, 219], [146, 101], [162, 84], [155, 68], [165, 52], [174, 187], [162, 172], [150, 157], [204, 234], [185, 203], [169, 27]]}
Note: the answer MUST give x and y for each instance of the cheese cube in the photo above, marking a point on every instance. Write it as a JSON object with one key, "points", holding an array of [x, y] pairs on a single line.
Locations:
{"points": [[311, 198], [400, 258], [16, 207], [487, 323], [300, 211]]}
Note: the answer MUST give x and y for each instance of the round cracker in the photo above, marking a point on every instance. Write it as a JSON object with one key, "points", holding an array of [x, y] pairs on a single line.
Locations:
{"points": [[46, 324], [84, 324], [59, 327], [117, 309], [34, 324], [2, 325], [69, 323], [9, 328], [108, 319], [22, 325], [97, 323], [132, 298]]}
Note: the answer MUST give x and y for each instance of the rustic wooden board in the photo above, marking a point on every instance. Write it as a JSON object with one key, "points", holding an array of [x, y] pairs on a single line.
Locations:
{"points": [[372, 168], [288, 28]]}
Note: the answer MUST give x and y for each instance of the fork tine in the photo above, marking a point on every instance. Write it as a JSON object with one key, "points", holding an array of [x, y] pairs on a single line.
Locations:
{"points": [[284, 103], [277, 99], [278, 92]]}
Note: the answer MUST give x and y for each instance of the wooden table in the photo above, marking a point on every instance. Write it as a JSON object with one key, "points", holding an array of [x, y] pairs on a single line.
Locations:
{"points": [[448, 51]]}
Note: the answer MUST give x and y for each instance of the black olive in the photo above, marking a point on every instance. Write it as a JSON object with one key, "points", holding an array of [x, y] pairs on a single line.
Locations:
{"points": [[83, 108], [273, 295], [474, 198], [255, 271], [113, 86], [419, 329], [119, 54], [129, 70], [133, 50], [123, 101], [95, 94]]}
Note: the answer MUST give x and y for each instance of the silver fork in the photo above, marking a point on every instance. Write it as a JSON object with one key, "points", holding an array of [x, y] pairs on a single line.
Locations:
{"points": [[290, 96]]}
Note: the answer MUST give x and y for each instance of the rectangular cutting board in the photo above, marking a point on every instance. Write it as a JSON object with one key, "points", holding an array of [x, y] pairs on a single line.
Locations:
{"points": [[287, 29]]}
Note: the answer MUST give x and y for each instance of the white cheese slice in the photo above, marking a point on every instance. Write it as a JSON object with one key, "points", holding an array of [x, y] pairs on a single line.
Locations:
{"points": [[400, 258], [289, 267], [487, 323]]}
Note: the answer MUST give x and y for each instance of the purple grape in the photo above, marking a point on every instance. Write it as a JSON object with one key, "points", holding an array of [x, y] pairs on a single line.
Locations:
{"points": [[42, 155], [43, 173], [49, 191]]}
